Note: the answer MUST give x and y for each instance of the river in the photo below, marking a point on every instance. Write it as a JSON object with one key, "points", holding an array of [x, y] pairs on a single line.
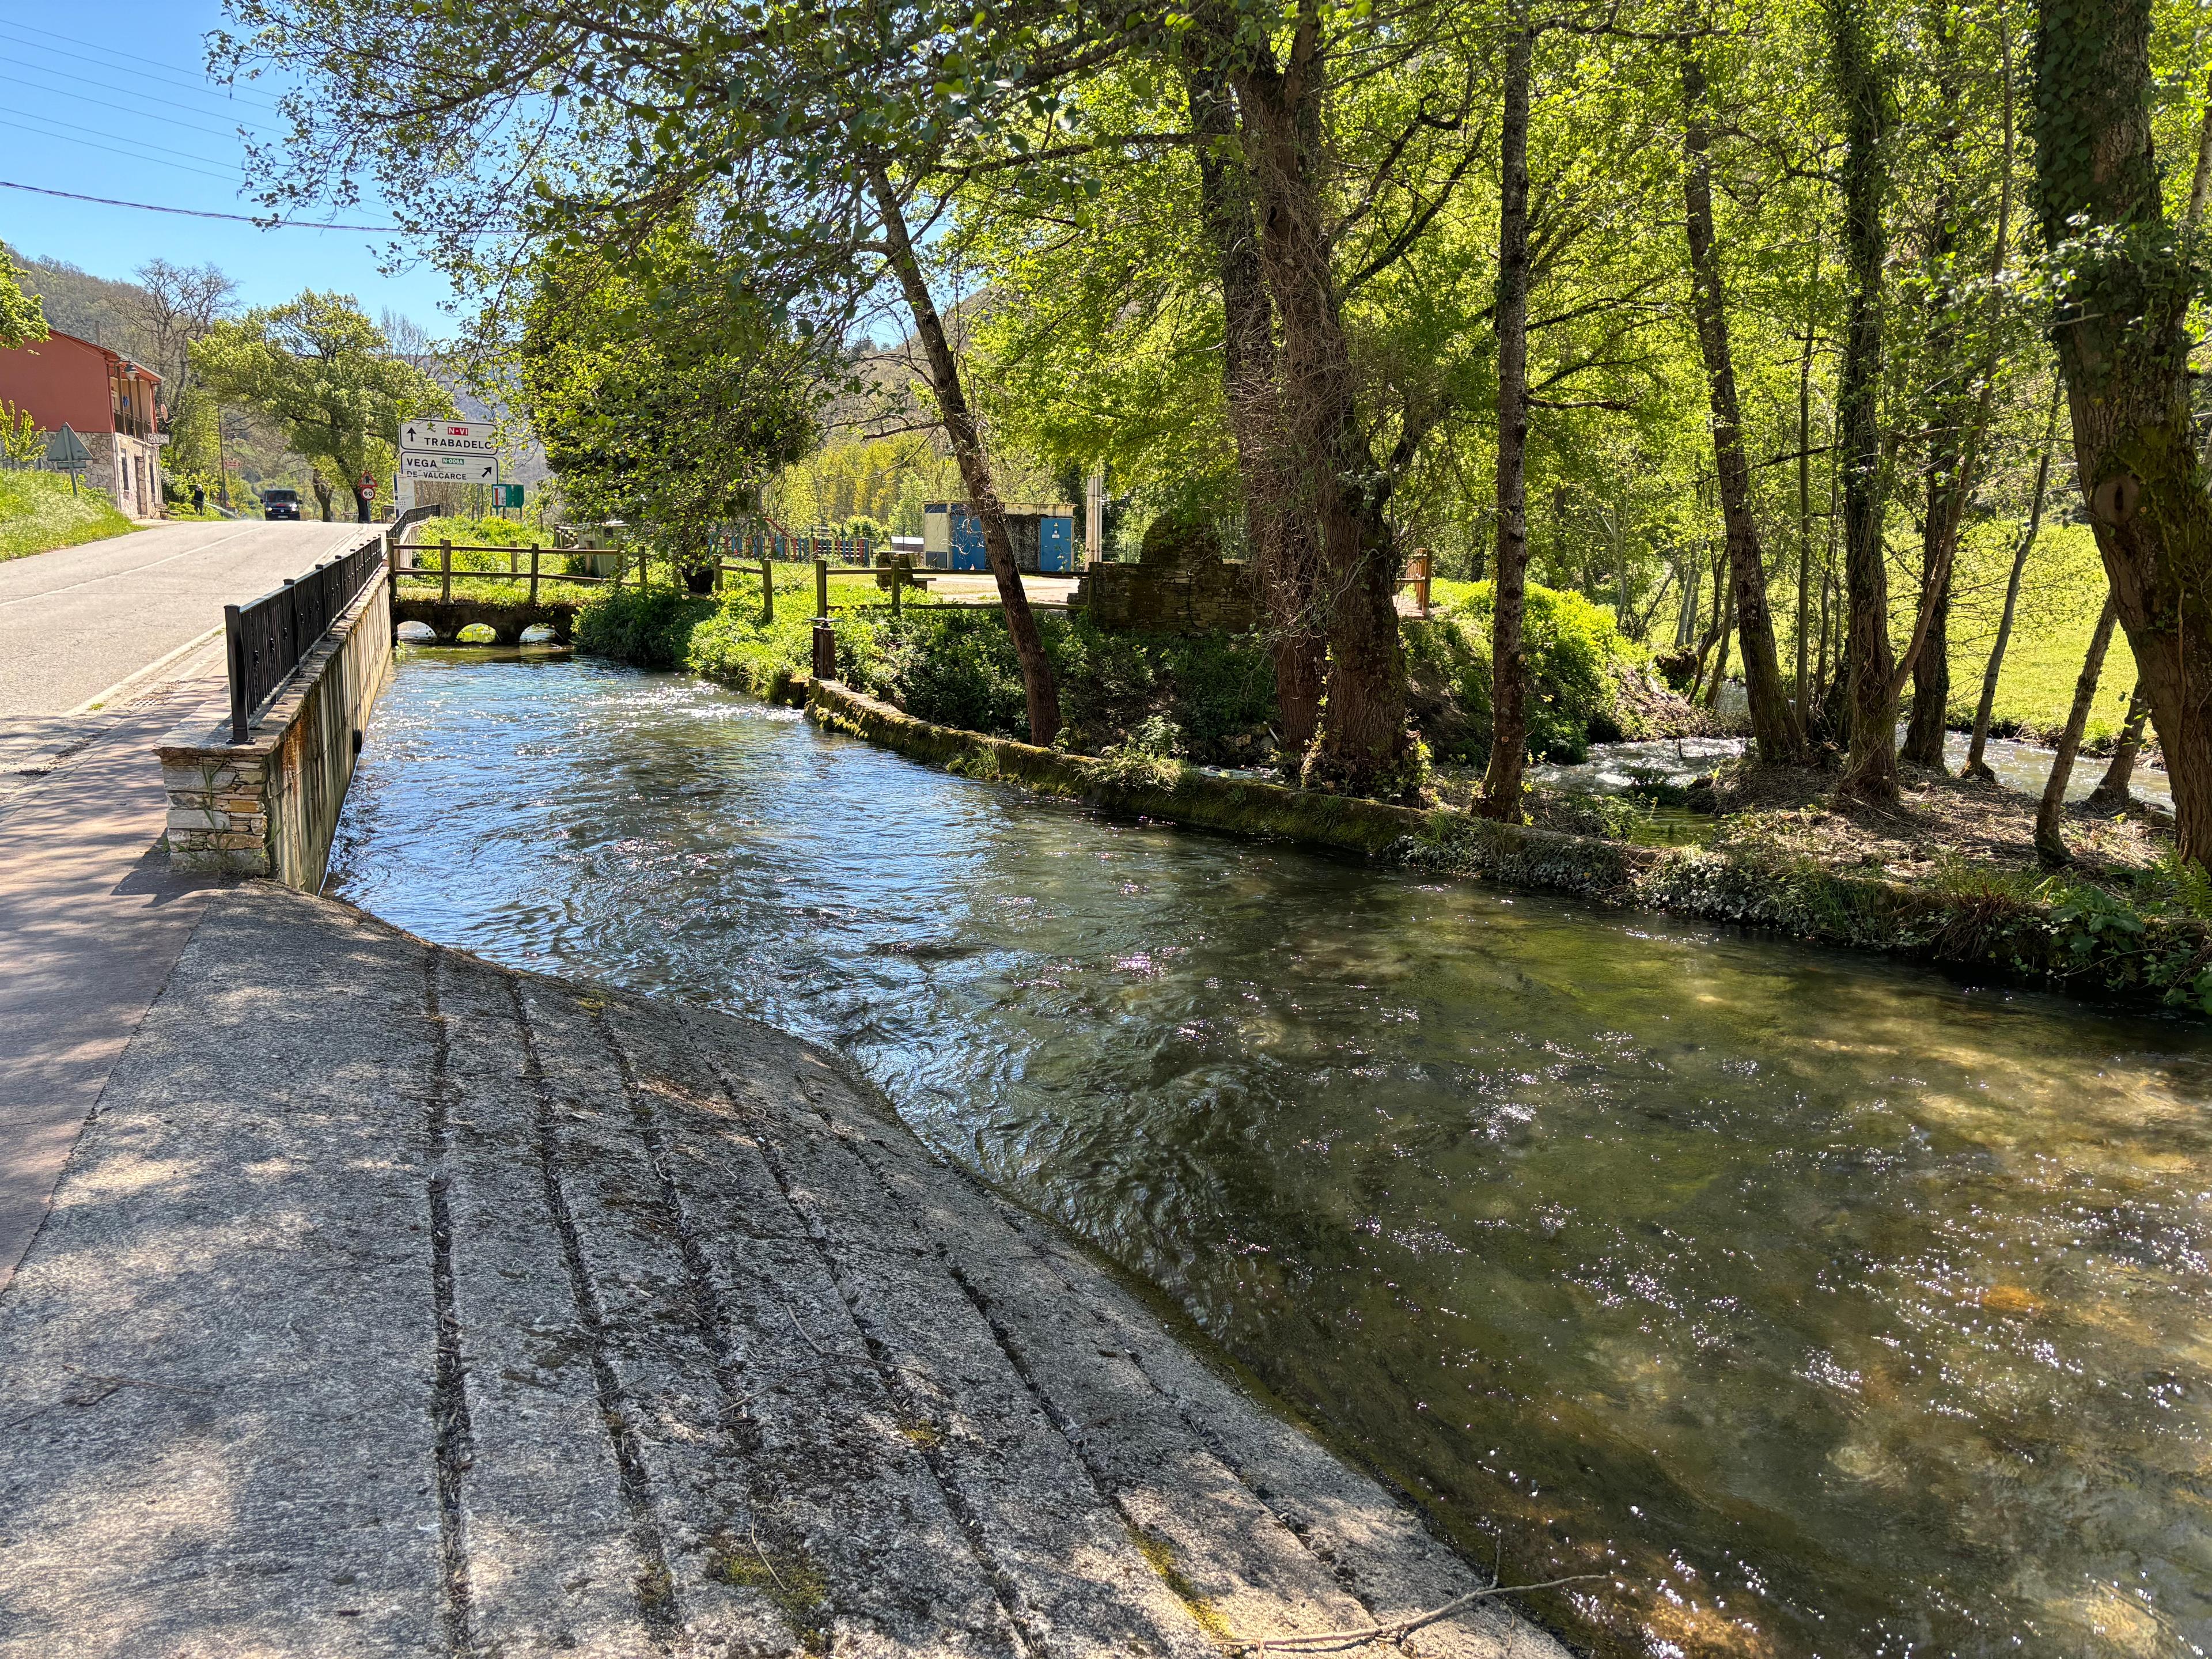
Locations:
{"points": [[1828, 1305]]}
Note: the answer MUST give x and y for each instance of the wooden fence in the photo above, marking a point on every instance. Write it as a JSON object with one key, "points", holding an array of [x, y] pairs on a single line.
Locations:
{"points": [[897, 577]]}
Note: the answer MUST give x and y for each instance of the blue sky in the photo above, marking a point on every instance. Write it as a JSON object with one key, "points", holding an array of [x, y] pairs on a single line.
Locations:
{"points": [[78, 85]]}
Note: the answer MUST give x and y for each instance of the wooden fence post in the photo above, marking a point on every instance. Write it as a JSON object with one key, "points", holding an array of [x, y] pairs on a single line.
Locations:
{"points": [[821, 585], [446, 571], [533, 573], [768, 586]]}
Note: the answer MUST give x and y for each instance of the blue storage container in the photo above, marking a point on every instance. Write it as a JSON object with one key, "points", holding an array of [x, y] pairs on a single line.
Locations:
{"points": [[1043, 537], [1056, 545]]}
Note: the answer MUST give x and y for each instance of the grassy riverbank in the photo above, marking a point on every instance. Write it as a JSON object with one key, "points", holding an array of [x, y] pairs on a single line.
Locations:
{"points": [[39, 512], [1209, 700]]}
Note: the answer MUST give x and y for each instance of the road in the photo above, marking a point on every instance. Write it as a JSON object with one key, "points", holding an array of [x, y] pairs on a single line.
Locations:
{"points": [[91, 916], [75, 622]]}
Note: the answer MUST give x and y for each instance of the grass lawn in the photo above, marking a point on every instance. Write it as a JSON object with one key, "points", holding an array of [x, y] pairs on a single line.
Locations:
{"points": [[2060, 595], [38, 513]]}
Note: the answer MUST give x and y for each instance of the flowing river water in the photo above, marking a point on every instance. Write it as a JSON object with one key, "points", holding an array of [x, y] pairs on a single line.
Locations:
{"points": [[1825, 1305]]}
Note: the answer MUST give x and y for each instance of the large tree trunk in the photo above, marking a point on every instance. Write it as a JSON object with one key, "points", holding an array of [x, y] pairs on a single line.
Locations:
{"points": [[2049, 846], [1929, 723], [2111, 794], [1039, 689], [1976, 767], [2121, 337], [1774, 727], [1363, 746], [1871, 773], [1509, 664], [1282, 547]]}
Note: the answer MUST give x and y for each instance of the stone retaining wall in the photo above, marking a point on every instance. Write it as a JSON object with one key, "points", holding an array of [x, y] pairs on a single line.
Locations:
{"points": [[2149, 963], [269, 807], [1194, 595]]}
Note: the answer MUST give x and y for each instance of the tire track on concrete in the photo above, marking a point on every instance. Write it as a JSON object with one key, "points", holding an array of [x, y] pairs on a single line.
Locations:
{"points": [[656, 1593], [957, 1502], [450, 1399]]}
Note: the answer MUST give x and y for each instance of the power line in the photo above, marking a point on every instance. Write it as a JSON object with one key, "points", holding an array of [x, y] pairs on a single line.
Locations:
{"points": [[200, 213], [138, 93], [122, 138], [127, 154], [167, 71]]}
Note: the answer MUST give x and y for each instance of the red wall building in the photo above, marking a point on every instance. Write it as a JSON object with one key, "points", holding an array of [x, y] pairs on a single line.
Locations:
{"points": [[107, 399]]}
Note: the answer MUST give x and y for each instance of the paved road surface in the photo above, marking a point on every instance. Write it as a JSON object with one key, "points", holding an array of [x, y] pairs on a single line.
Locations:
{"points": [[73, 623], [91, 918]]}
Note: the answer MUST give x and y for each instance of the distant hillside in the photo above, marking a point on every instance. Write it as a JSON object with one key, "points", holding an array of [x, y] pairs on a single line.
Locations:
{"points": [[96, 308]]}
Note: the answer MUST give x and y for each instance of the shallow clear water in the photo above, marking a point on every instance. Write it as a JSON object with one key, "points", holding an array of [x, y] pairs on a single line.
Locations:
{"points": [[1615, 768], [1831, 1307]]}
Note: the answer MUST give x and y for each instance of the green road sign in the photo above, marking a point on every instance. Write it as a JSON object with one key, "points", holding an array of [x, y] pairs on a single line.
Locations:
{"points": [[507, 494]]}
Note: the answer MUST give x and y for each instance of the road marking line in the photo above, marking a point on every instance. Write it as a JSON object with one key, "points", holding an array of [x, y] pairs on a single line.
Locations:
{"points": [[136, 569], [131, 682]]}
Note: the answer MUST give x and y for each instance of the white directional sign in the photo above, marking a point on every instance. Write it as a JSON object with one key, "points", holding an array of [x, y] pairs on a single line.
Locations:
{"points": [[453, 469], [448, 437]]}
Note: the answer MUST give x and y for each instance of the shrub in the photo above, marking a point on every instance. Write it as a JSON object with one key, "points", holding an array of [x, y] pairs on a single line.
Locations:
{"points": [[1149, 757], [1573, 651], [652, 629]]}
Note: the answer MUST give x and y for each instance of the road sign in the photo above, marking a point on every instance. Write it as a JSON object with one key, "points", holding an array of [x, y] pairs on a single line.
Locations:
{"points": [[453, 469], [67, 451], [448, 437], [506, 495]]}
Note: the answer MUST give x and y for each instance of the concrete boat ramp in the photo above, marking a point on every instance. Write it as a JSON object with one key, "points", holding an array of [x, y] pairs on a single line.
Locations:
{"points": [[393, 1303]]}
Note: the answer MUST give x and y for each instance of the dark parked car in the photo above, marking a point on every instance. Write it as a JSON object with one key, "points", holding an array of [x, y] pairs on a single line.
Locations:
{"points": [[280, 503]]}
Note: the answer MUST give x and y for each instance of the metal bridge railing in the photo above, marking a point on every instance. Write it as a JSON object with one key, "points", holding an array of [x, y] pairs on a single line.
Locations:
{"points": [[268, 636]]}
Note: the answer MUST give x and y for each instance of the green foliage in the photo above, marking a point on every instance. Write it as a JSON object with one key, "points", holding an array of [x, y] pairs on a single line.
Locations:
{"points": [[39, 512], [666, 396], [953, 665], [653, 629], [1149, 757], [21, 439], [22, 320], [325, 374], [1574, 651]]}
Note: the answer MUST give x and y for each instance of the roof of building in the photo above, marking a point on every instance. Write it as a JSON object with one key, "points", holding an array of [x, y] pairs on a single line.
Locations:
{"points": [[130, 365]]}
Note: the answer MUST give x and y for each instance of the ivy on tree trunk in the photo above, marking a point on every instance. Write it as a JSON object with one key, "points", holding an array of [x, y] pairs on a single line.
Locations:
{"points": [[2119, 330], [1871, 773]]}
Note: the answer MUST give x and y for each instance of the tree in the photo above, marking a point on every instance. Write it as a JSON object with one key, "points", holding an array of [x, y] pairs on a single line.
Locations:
{"points": [[1871, 771], [808, 143], [661, 402], [21, 321], [1773, 723], [1282, 543], [1509, 670], [2127, 275], [322, 371], [176, 307]]}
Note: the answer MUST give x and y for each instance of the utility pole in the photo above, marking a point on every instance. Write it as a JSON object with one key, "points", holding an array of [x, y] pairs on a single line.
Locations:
{"points": [[1094, 513]]}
